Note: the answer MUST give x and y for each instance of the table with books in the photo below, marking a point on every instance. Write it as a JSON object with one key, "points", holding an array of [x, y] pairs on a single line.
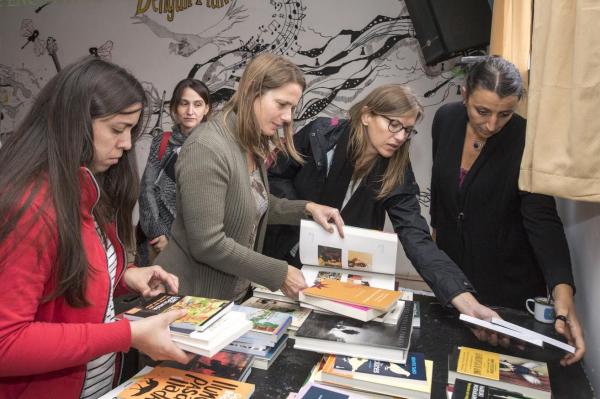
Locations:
{"points": [[354, 334], [438, 336]]}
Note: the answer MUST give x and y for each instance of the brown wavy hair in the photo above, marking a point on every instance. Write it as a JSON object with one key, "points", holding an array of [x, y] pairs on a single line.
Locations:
{"points": [[265, 72], [391, 100], [50, 145]]}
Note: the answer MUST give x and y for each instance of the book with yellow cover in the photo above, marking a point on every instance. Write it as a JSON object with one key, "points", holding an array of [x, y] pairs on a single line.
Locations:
{"points": [[354, 294], [526, 376], [170, 383]]}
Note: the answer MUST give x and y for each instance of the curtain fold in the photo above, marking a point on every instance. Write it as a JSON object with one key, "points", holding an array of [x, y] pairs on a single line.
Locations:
{"points": [[511, 37], [562, 152]]}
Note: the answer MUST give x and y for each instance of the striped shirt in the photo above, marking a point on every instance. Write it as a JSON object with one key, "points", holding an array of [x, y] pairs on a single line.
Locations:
{"points": [[100, 372]]}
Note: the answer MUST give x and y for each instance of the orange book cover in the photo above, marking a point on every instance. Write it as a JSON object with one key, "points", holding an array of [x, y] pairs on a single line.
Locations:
{"points": [[170, 383], [354, 294]]}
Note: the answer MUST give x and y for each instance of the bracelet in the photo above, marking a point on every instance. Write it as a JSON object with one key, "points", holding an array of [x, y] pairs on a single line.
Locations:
{"points": [[560, 317]]}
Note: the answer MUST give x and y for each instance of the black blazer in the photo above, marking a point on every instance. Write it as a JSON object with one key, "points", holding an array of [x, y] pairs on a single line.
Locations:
{"points": [[289, 179], [509, 243]]}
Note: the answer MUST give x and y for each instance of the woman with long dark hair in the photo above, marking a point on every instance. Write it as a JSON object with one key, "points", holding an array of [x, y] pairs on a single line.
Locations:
{"points": [[68, 185]]}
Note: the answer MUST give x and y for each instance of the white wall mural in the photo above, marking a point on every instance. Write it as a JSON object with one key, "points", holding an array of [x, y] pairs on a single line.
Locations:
{"points": [[345, 48]]}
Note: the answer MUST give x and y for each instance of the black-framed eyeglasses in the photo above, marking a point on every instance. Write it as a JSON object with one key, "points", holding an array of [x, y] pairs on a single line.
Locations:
{"points": [[395, 126]]}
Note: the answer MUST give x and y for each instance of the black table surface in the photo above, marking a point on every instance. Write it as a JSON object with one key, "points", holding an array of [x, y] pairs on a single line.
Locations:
{"points": [[439, 333]]}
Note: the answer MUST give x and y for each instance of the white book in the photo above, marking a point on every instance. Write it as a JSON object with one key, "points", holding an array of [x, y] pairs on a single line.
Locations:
{"points": [[209, 335], [235, 329], [500, 329], [546, 339], [362, 250], [377, 280]]}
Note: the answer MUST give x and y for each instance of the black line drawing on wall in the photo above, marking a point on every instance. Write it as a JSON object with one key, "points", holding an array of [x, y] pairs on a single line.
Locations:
{"points": [[32, 35], [103, 51]]}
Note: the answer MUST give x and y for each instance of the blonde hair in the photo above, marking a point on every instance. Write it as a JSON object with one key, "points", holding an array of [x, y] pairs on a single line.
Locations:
{"points": [[391, 100], [265, 72]]}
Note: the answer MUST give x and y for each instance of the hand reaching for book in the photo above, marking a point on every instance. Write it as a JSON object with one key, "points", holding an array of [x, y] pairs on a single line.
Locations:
{"points": [[151, 336], [294, 283], [466, 303]]}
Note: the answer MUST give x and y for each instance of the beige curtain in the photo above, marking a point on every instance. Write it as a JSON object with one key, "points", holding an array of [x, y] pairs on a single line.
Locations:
{"points": [[511, 37], [562, 153]]}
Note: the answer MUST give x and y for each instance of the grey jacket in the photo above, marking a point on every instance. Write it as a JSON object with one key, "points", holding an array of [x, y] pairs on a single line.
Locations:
{"points": [[210, 248]]}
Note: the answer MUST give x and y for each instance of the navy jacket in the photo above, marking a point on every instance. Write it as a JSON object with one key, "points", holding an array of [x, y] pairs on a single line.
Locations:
{"points": [[289, 179], [509, 243]]}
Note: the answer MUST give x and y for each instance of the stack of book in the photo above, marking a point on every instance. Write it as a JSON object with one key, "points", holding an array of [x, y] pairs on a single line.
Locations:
{"points": [[267, 338], [225, 364], [341, 335], [171, 383], [514, 374], [209, 326], [299, 314], [366, 376], [363, 256], [357, 301]]}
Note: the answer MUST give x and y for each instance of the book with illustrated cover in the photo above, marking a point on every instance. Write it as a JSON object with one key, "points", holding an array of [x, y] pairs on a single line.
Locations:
{"points": [[411, 380], [463, 389], [343, 336], [355, 294], [170, 383], [298, 314], [225, 364], [267, 325], [202, 312], [363, 256], [528, 377]]}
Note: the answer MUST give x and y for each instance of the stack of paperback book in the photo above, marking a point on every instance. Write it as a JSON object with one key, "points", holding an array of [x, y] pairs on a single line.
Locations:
{"points": [[225, 364], [209, 326], [412, 380], [340, 335], [357, 301], [299, 314], [267, 338]]}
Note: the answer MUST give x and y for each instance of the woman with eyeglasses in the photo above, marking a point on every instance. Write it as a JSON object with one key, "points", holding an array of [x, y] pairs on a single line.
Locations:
{"points": [[362, 166], [509, 243]]}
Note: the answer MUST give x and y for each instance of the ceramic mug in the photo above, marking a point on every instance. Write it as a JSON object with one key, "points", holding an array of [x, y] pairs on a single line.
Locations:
{"points": [[543, 311]]}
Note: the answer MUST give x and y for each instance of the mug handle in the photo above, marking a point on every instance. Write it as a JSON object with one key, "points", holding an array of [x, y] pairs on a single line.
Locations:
{"points": [[527, 302]]}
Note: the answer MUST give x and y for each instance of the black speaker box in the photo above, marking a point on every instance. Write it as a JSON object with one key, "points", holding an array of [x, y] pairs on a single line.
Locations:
{"points": [[446, 28]]}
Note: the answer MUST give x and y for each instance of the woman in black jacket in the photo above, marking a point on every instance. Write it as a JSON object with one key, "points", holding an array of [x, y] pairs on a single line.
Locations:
{"points": [[509, 243], [362, 167]]}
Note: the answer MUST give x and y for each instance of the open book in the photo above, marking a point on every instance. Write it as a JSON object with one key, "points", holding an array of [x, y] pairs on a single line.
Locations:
{"points": [[363, 255]]}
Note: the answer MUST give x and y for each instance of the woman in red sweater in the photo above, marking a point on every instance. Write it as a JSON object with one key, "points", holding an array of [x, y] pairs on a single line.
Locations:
{"points": [[68, 185]]}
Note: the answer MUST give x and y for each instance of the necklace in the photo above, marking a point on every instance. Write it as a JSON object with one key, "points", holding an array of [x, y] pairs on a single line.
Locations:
{"points": [[478, 145]]}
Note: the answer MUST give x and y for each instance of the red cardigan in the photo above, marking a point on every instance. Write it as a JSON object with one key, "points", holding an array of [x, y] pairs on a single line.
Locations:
{"points": [[44, 347]]}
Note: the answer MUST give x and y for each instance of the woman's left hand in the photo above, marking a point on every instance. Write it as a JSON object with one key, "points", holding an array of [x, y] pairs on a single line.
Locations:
{"points": [[323, 214], [571, 329], [151, 281]]}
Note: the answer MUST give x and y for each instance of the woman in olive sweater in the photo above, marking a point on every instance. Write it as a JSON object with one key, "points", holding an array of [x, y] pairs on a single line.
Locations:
{"points": [[223, 203]]}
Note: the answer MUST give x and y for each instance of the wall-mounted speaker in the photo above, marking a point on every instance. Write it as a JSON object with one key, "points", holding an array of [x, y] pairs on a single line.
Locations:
{"points": [[446, 28]]}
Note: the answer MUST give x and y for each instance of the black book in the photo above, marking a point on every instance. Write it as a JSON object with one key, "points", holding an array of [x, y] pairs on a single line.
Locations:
{"points": [[341, 335]]}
